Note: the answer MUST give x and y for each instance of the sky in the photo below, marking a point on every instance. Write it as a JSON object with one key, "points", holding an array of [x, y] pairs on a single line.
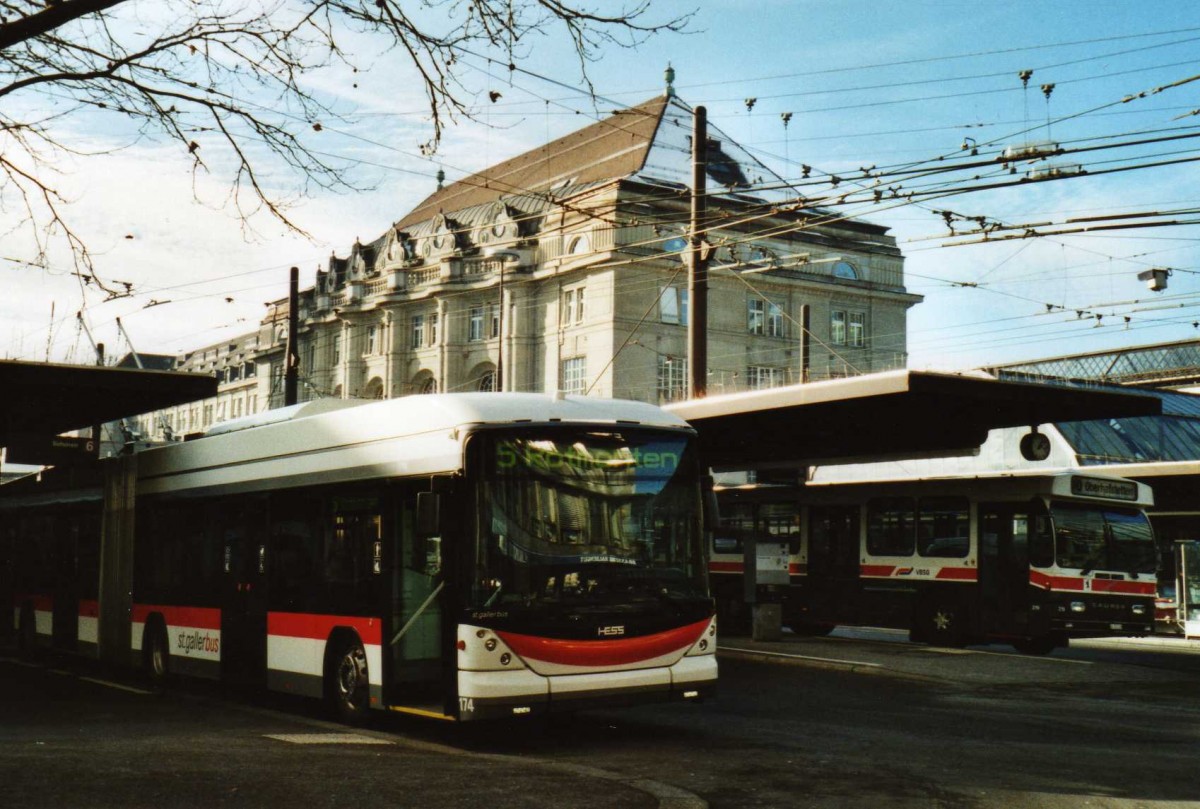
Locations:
{"points": [[878, 93]]}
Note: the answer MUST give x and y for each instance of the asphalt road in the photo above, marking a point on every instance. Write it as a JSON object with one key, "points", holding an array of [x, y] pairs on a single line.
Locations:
{"points": [[846, 721]]}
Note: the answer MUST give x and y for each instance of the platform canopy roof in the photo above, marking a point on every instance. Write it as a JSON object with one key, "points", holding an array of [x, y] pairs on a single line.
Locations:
{"points": [[896, 414], [42, 400]]}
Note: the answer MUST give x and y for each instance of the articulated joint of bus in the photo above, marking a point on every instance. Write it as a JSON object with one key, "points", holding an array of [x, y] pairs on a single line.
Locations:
{"points": [[502, 673]]}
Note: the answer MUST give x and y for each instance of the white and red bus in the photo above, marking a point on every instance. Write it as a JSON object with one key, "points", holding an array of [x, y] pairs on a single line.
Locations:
{"points": [[464, 556], [1027, 559]]}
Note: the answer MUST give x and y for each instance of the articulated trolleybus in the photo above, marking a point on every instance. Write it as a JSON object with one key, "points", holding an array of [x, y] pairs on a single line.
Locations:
{"points": [[1031, 560], [464, 556]]}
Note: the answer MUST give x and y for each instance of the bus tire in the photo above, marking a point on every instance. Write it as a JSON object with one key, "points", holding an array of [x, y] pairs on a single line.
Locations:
{"points": [[1037, 645], [156, 653], [810, 630], [347, 685], [27, 631], [943, 623]]}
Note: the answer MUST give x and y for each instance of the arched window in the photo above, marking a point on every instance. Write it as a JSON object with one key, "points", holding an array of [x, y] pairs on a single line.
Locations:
{"points": [[844, 269], [428, 386], [487, 382], [374, 389]]}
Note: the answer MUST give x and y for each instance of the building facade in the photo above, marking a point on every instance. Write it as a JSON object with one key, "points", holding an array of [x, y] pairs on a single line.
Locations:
{"points": [[565, 269]]}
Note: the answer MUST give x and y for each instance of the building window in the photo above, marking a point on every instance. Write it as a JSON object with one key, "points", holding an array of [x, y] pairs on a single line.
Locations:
{"points": [[372, 340], [858, 329], [418, 331], [574, 375], [433, 329], [337, 349], [494, 321], [672, 379], [673, 306], [572, 308], [475, 324], [764, 317], [429, 386], [487, 382], [837, 327], [761, 376]]}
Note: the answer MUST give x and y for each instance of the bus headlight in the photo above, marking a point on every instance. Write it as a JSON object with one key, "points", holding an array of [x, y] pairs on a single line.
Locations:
{"points": [[1078, 606], [1138, 609]]}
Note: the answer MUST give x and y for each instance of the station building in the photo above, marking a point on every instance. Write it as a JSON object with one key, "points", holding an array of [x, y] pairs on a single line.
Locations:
{"points": [[565, 268]]}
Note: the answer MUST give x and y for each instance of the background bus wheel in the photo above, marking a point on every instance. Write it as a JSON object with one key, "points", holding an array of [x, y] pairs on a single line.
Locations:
{"points": [[805, 629], [1038, 645], [348, 686], [944, 624], [156, 655]]}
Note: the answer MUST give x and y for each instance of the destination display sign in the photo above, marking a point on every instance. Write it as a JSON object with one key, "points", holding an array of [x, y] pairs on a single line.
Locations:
{"points": [[1104, 487]]}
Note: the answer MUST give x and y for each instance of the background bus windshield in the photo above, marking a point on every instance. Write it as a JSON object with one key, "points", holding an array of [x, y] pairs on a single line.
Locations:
{"points": [[589, 519], [1109, 539]]}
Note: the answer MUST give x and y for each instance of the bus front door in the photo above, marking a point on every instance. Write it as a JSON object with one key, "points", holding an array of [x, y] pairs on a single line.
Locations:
{"points": [[244, 589], [1003, 567]]}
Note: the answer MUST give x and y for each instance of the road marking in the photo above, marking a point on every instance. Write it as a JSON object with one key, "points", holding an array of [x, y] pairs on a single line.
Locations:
{"points": [[1031, 658], [326, 738], [24, 663], [117, 686], [802, 657]]}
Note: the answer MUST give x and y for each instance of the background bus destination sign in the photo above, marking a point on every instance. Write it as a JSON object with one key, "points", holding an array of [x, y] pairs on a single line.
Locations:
{"points": [[1104, 487]]}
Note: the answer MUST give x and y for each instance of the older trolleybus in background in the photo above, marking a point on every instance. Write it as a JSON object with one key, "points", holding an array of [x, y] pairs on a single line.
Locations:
{"points": [[1031, 560], [465, 555]]}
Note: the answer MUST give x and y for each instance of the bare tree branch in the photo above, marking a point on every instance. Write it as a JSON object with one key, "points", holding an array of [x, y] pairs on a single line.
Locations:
{"points": [[228, 82]]}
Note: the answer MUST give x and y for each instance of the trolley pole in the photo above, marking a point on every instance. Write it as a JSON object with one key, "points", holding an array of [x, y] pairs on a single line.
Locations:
{"points": [[291, 367], [698, 262]]}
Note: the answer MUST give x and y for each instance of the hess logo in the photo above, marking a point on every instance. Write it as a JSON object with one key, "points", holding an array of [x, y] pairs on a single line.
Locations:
{"points": [[610, 631]]}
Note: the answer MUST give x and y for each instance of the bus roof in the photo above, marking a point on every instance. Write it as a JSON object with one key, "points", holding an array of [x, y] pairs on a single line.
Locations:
{"points": [[411, 435]]}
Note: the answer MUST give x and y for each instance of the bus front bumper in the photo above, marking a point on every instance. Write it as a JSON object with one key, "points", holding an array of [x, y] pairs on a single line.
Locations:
{"points": [[522, 692]]}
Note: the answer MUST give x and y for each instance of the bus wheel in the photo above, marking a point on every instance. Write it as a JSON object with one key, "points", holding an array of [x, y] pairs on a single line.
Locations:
{"points": [[156, 655], [808, 630], [1037, 645], [943, 623], [348, 686]]}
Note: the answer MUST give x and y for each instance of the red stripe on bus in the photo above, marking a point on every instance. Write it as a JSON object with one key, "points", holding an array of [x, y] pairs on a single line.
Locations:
{"points": [[604, 652], [319, 627], [797, 569], [195, 617], [725, 567], [877, 570], [958, 573], [1140, 588], [40, 603], [89, 609]]}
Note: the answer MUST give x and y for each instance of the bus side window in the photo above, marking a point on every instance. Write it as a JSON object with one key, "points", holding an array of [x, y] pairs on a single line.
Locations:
{"points": [[737, 523], [944, 527], [891, 526]]}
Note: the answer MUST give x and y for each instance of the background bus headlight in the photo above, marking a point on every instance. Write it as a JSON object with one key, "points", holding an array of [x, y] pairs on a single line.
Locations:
{"points": [[1139, 609], [1078, 606]]}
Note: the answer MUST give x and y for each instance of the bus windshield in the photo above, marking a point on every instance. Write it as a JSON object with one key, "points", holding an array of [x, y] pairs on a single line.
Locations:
{"points": [[1109, 539], [584, 518]]}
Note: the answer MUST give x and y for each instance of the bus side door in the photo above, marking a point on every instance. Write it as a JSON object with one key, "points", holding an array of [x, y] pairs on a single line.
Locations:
{"points": [[242, 524], [1004, 566], [833, 563]]}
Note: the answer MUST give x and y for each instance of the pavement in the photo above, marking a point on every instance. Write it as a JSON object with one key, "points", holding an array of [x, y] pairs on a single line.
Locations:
{"points": [[882, 652], [76, 733]]}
